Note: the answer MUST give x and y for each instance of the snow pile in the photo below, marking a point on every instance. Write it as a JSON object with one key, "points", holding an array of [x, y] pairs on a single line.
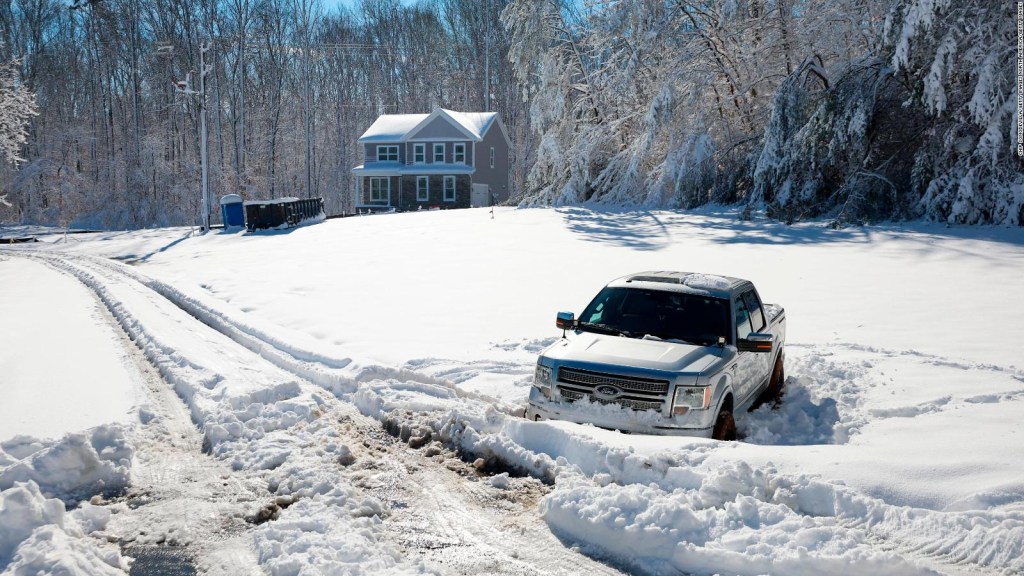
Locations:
{"points": [[38, 537], [737, 520], [799, 420], [74, 468], [320, 522]]}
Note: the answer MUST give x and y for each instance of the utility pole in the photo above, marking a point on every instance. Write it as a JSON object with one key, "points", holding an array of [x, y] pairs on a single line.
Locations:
{"points": [[185, 87], [204, 70], [309, 128]]}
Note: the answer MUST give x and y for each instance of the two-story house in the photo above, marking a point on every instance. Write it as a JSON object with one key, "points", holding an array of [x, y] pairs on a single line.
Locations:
{"points": [[444, 159]]}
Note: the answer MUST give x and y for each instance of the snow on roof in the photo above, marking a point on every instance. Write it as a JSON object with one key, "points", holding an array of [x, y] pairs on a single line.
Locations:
{"points": [[476, 122], [395, 127], [391, 127], [710, 284], [707, 282]]}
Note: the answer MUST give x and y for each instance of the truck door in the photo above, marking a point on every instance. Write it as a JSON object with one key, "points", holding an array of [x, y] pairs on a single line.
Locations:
{"points": [[751, 367]]}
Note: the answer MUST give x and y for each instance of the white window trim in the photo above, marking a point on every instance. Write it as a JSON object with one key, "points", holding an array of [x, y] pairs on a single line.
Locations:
{"points": [[448, 179], [420, 149], [388, 148], [455, 153], [434, 155], [492, 156], [426, 188], [385, 189]]}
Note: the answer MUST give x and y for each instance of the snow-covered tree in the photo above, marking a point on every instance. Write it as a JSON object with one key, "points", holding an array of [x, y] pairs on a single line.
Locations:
{"points": [[662, 103], [17, 106], [956, 60], [862, 110]]}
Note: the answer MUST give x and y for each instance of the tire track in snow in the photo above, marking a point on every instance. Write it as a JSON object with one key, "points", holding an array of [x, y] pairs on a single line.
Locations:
{"points": [[126, 299], [172, 479]]}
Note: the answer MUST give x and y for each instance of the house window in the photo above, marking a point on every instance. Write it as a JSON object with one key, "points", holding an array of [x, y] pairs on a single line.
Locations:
{"points": [[459, 152], [422, 188], [449, 188], [387, 153], [380, 190], [419, 153], [438, 152], [492, 156]]}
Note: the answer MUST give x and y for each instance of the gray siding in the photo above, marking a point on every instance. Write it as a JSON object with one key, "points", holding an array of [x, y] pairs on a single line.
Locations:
{"points": [[439, 127], [498, 177]]}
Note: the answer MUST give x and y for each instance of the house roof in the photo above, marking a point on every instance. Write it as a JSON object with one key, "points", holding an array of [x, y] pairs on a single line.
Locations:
{"points": [[401, 127]]}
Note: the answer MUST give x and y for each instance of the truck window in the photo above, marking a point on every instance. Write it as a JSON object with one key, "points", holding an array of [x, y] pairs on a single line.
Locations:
{"points": [[742, 319], [754, 307], [639, 312]]}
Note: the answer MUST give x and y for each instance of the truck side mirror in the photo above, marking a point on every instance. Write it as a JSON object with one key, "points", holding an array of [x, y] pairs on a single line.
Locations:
{"points": [[565, 320], [756, 342]]}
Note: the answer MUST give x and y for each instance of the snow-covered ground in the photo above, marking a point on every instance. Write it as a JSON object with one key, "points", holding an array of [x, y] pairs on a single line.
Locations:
{"points": [[63, 368], [898, 449]]}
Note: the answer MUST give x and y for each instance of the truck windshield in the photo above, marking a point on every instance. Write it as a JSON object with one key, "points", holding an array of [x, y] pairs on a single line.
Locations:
{"points": [[639, 312]]}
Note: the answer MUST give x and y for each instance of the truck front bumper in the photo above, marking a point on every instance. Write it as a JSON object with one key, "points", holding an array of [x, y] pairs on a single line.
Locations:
{"points": [[695, 423]]}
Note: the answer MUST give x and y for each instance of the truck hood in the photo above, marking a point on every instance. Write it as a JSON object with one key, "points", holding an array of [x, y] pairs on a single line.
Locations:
{"points": [[621, 351]]}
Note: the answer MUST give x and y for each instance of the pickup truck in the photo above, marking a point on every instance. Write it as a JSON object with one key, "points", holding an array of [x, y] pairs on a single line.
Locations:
{"points": [[663, 353]]}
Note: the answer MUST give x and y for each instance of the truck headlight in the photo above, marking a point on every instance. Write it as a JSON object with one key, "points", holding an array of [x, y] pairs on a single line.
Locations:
{"points": [[542, 380], [691, 398]]}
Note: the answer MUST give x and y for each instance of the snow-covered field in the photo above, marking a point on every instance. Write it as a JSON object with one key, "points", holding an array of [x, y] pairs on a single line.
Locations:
{"points": [[898, 449]]}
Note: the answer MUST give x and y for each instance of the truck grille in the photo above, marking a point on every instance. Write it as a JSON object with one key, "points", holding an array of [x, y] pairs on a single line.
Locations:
{"points": [[637, 393], [580, 379], [630, 403]]}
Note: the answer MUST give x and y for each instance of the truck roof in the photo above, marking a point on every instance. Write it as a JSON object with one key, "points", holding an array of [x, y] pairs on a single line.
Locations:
{"points": [[687, 282]]}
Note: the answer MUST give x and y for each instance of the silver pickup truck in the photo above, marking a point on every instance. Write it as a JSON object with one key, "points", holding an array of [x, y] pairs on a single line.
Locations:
{"points": [[663, 353]]}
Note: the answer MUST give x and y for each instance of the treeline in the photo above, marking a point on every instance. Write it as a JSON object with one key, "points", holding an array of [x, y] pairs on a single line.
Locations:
{"points": [[857, 110], [291, 85], [854, 109]]}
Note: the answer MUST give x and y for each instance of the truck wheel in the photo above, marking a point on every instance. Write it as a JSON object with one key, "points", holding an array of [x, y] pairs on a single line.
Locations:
{"points": [[773, 393], [725, 427]]}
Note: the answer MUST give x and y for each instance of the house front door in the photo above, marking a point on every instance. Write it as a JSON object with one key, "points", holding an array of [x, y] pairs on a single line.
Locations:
{"points": [[481, 196]]}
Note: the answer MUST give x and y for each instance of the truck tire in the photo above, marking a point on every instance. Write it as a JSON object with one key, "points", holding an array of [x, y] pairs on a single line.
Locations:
{"points": [[773, 393], [725, 427]]}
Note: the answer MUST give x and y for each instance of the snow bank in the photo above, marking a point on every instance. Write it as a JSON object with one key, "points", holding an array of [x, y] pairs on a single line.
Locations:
{"points": [[38, 537], [74, 468], [738, 521]]}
